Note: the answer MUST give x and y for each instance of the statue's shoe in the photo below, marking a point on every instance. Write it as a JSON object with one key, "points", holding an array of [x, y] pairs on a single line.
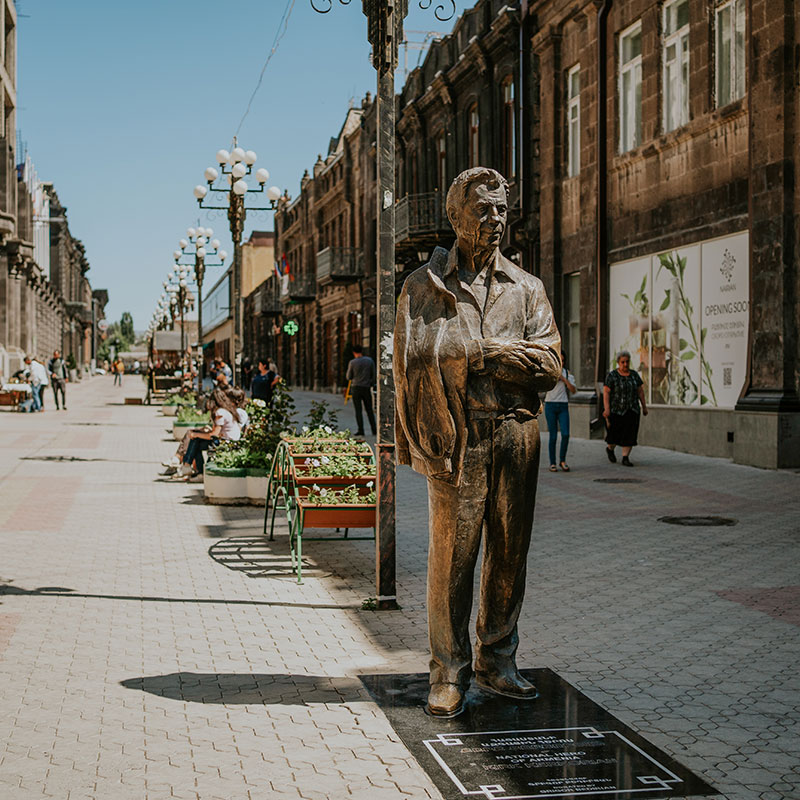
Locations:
{"points": [[445, 700], [507, 684]]}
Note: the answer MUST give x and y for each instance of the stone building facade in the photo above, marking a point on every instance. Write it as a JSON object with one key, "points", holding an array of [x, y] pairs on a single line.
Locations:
{"points": [[46, 301], [651, 149], [666, 138], [323, 248]]}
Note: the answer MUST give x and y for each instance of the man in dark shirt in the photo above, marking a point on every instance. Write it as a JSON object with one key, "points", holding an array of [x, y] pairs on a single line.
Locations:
{"points": [[264, 382], [361, 374], [58, 378]]}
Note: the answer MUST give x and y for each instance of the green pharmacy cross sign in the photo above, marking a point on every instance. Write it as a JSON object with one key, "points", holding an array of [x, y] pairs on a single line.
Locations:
{"points": [[291, 327]]}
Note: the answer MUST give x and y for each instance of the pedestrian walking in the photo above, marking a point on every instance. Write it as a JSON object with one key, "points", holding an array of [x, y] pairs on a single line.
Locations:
{"points": [[59, 376], [556, 412], [119, 371], [623, 396], [361, 374], [264, 382]]}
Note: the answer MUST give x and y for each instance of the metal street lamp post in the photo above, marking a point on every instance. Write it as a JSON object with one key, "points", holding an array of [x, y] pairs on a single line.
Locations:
{"points": [[202, 245], [180, 302], [385, 32], [235, 166]]}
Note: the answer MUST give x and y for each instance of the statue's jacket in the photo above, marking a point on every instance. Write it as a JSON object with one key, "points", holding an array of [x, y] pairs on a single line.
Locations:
{"points": [[441, 379]]}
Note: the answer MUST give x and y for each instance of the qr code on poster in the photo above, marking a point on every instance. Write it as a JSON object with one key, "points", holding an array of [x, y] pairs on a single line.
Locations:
{"points": [[727, 376]]}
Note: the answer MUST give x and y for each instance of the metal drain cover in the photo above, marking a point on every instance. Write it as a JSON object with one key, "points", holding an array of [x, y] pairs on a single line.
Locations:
{"points": [[618, 480], [698, 522]]}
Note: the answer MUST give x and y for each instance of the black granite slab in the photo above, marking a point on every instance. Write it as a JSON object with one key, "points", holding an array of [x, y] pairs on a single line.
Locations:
{"points": [[561, 745]]}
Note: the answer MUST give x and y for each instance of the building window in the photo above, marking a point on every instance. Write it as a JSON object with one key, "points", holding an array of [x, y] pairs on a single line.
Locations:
{"points": [[676, 64], [572, 313], [441, 162], [630, 88], [509, 129], [474, 124], [730, 54], [574, 121]]}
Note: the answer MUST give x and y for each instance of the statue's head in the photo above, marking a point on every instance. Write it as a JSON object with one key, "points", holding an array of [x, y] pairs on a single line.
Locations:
{"points": [[477, 206]]}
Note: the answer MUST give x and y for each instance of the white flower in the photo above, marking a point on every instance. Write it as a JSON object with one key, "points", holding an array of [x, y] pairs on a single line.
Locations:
{"points": [[323, 492], [307, 461], [370, 484], [327, 429], [325, 460], [315, 462], [306, 429], [259, 403], [315, 487]]}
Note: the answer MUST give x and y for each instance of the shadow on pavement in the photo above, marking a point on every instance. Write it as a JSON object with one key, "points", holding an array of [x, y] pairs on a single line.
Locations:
{"points": [[265, 689], [60, 591], [257, 557]]}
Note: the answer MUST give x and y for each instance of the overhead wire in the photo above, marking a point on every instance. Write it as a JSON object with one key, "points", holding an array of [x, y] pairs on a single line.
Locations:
{"points": [[279, 34]]}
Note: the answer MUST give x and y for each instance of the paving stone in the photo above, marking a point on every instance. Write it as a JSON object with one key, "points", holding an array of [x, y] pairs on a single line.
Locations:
{"points": [[134, 663]]}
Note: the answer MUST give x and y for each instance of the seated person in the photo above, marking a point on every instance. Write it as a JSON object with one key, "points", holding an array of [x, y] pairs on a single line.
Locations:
{"points": [[225, 427], [240, 401]]}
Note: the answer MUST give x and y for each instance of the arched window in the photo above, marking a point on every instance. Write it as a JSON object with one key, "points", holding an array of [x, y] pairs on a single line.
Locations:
{"points": [[509, 129], [473, 136]]}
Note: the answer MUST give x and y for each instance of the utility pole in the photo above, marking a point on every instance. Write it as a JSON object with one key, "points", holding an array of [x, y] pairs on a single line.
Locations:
{"points": [[385, 32]]}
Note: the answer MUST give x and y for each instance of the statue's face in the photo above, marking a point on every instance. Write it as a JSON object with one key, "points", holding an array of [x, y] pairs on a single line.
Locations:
{"points": [[482, 220]]}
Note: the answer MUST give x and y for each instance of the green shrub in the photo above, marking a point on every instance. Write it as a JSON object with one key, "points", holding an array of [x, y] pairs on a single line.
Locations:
{"points": [[190, 415], [181, 399], [322, 415]]}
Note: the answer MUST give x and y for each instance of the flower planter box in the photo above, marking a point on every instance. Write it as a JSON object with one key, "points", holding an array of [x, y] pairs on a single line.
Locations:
{"points": [[302, 479], [257, 486], [225, 486], [338, 516], [170, 411]]}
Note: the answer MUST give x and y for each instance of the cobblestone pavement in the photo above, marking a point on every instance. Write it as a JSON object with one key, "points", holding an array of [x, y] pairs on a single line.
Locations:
{"points": [[152, 646]]}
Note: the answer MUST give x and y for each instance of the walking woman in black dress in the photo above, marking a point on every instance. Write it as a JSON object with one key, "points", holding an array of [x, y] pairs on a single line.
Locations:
{"points": [[622, 396]]}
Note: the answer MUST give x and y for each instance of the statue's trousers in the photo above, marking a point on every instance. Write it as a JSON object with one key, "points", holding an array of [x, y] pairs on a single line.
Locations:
{"points": [[496, 497]]}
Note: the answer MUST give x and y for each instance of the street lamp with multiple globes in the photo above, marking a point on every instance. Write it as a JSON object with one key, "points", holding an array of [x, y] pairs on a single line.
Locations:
{"points": [[235, 167], [198, 246], [180, 301]]}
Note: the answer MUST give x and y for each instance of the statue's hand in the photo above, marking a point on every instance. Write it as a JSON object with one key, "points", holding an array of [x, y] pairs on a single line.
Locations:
{"points": [[518, 353]]}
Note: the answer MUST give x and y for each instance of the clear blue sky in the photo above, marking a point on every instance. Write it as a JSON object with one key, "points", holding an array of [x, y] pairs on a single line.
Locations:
{"points": [[123, 105]]}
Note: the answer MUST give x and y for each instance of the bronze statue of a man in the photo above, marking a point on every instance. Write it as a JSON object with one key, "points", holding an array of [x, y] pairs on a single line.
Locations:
{"points": [[475, 344]]}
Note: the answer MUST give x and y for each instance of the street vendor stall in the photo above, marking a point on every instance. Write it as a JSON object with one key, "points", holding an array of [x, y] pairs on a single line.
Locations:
{"points": [[164, 369]]}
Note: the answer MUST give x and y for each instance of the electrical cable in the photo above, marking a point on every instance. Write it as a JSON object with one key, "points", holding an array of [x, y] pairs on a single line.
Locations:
{"points": [[279, 34]]}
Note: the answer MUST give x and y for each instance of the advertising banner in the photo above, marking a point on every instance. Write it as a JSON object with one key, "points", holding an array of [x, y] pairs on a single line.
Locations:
{"points": [[683, 315], [675, 340], [630, 318], [725, 313]]}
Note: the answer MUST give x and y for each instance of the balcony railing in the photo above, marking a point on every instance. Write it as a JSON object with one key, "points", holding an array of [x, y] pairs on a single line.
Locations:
{"points": [[339, 264], [420, 215], [267, 301], [297, 288]]}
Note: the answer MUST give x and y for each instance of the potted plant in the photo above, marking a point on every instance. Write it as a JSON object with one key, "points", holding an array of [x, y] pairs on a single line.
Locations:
{"points": [[322, 469], [252, 454], [174, 401], [225, 477], [353, 506], [188, 418]]}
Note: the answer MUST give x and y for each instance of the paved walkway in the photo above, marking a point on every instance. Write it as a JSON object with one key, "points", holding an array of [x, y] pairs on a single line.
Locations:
{"points": [[152, 646]]}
